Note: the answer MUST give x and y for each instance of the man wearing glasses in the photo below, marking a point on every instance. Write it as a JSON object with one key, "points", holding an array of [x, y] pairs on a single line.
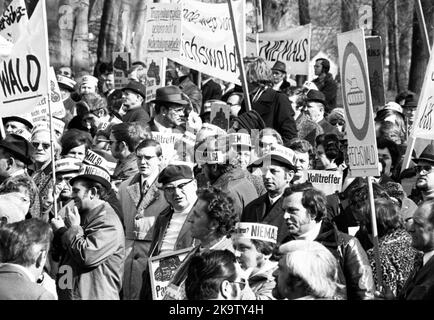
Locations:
{"points": [[171, 229], [425, 174], [141, 202]]}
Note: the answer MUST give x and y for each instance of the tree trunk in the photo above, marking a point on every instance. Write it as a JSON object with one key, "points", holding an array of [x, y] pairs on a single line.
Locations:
{"points": [[80, 39], [108, 30], [393, 83], [303, 12], [273, 11], [379, 25], [349, 14], [419, 53], [405, 18]]}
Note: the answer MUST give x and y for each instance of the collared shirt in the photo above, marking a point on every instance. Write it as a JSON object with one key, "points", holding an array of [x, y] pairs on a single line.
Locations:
{"points": [[205, 81], [276, 87], [162, 128], [23, 269], [312, 234], [427, 256], [275, 199]]}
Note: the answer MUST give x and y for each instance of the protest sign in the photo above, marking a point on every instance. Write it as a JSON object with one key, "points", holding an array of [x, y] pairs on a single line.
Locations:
{"points": [[167, 142], [220, 113], [95, 159], [121, 67], [155, 74], [163, 30], [375, 67], [291, 46], [356, 96], [327, 181], [162, 268], [207, 41], [14, 21], [24, 74], [423, 126]]}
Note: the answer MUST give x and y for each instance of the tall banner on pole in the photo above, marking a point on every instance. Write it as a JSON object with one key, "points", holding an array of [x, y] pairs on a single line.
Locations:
{"points": [[24, 73], [356, 97], [207, 41], [290, 46], [375, 67]]}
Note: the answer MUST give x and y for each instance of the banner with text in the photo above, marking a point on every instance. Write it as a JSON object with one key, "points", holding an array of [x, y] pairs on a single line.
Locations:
{"points": [[423, 126], [163, 30], [327, 181], [291, 46], [14, 21], [23, 75], [155, 73], [162, 269], [375, 66], [208, 44], [167, 142]]}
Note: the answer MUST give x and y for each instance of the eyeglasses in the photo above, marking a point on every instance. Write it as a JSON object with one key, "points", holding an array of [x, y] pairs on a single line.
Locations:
{"points": [[36, 145], [241, 283], [172, 189], [427, 168], [339, 122]]}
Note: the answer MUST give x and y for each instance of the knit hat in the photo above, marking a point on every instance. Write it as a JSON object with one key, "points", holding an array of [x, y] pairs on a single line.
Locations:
{"points": [[337, 113], [250, 120]]}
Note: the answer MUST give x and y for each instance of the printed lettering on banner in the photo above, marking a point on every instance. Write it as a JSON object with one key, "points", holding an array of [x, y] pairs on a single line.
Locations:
{"points": [[121, 67], [291, 46], [375, 66], [167, 142], [208, 44], [327, 181], [163, 30], [356, 97], [23, 75], [162, 268], [14, 21], [423, 126]]}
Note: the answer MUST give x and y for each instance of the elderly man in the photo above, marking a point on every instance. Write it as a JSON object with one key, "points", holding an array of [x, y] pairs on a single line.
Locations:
{"points": [[425, 177], [316, 110], [141, 201], [24, 247], [305, 209], [172, 230], [277, 172], [307, 271], [254, 244], [92, 263], [169, 110], [124, 139], [133, 96], [17, 123], [420, 284]]}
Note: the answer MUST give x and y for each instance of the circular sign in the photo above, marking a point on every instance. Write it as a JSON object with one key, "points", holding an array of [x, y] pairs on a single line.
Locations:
{"points": [[356, 97]]}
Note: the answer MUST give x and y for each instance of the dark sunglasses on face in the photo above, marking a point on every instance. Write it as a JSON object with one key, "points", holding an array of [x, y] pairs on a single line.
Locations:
{"points": [[339, 122], [36, 145], [426, 168]]}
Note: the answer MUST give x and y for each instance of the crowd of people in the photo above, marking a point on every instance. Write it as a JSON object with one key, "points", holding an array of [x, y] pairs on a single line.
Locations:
{"points": [[136, 179]]}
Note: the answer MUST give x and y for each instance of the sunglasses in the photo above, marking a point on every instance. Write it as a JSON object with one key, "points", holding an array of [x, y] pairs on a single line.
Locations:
{"points": [[427, 168], [171, 190], [36, 145], [241, 283], [340, 122]]}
